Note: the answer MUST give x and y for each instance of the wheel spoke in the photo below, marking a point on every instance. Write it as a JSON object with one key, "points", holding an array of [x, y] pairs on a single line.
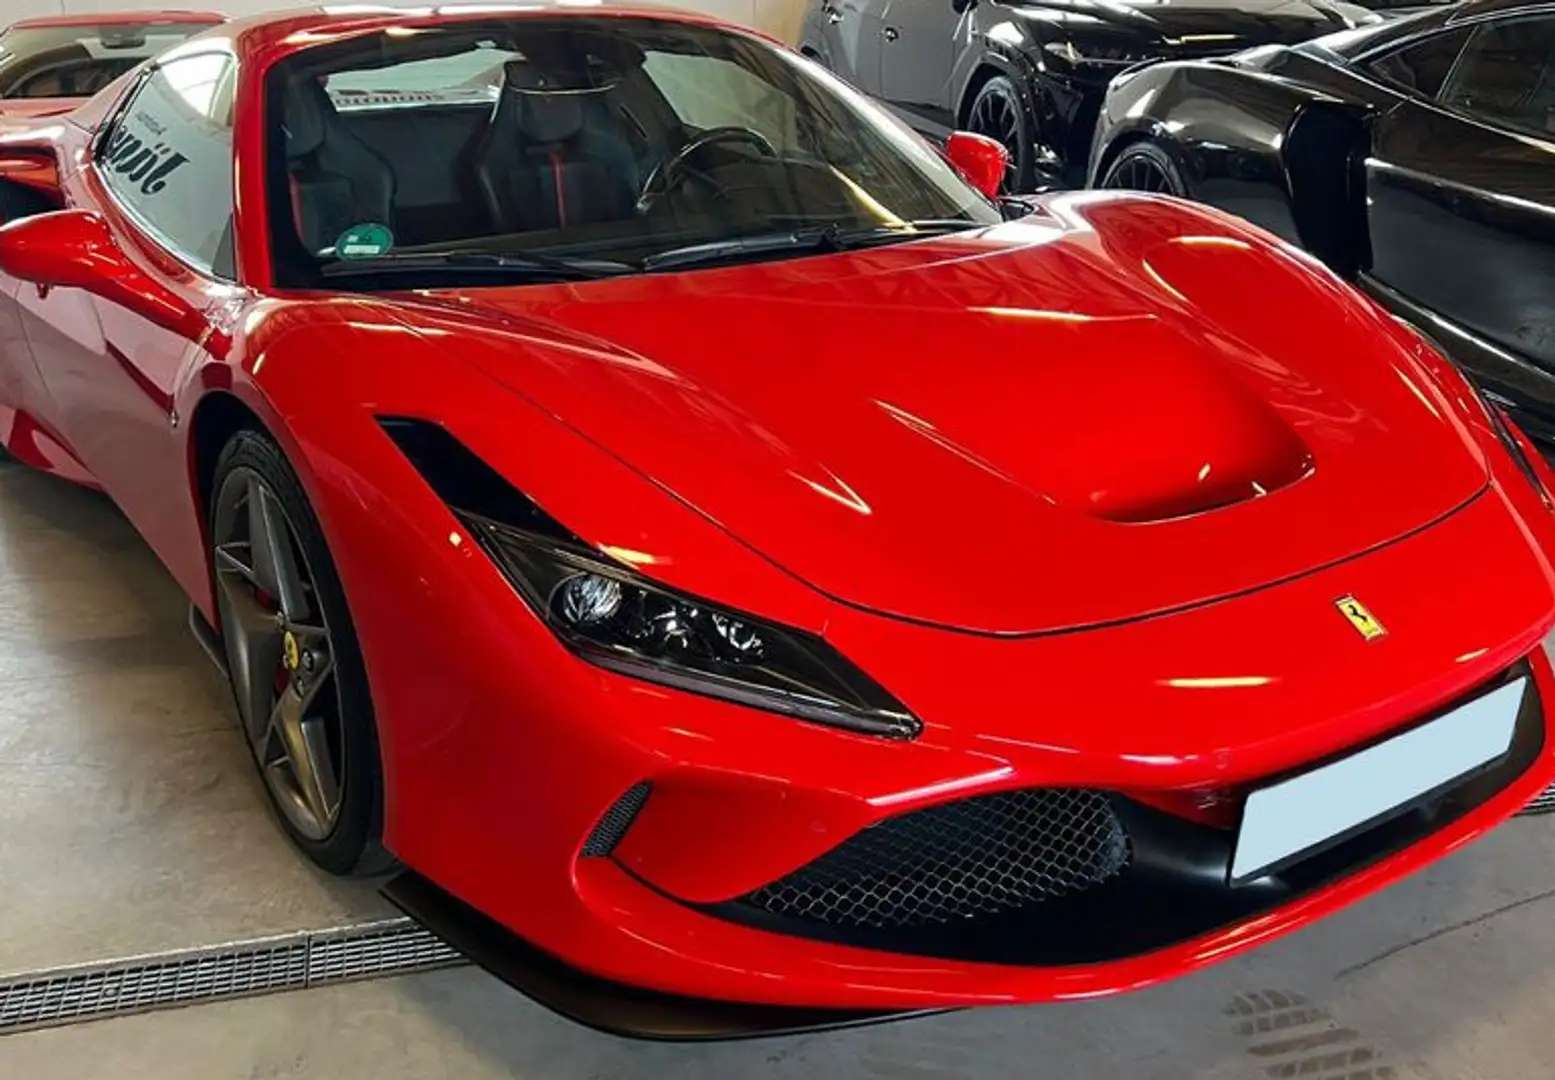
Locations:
{"points": [[275, 565], [228, 562], [254, 653], [307, 756]]}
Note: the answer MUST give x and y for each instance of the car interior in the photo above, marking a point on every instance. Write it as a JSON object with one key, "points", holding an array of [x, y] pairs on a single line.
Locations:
{"points": [[554, 134], [557, 140]]}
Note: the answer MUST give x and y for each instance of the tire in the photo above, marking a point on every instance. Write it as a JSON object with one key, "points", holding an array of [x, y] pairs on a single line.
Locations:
{"points": [[331, 713], [999, 112], [1145, 166]]}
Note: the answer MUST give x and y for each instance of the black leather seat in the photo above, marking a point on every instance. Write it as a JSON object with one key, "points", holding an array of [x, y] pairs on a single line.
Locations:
{"points": [[548, 160], [337, 181]]}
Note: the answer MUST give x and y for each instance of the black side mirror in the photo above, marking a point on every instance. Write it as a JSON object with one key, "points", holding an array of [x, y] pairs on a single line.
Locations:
{"points": [[961, 7]]}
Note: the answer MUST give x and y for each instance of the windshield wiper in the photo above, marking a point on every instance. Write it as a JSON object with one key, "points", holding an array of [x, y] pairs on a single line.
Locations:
{"points": [[532, 263], [825, 238]]}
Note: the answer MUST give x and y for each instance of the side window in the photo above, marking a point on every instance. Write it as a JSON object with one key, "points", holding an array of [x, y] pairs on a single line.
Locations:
{"points": [[1507, 75], [1422, 67], [168, 158]]}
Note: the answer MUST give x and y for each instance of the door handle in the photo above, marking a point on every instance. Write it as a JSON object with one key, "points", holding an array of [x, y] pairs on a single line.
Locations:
{"points": [[890, 33]]}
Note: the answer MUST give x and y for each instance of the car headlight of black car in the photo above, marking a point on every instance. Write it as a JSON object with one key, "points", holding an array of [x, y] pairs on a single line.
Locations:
{"points": [[613, 617], [1099, 54]]}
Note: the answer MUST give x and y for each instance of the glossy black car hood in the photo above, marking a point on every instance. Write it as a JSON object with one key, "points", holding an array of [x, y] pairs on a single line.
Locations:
{"points": [[1214, 25]]}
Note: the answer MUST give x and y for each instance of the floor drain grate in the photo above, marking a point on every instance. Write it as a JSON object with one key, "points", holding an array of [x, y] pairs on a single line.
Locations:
{"points": [[237, 969]]}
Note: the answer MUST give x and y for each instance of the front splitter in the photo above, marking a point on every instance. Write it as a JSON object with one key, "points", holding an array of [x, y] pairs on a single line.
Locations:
{"points": [[611, 1007]]}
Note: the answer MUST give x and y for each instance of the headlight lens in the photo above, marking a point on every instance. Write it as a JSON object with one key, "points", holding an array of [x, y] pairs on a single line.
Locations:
{"points": [[613, 617], [1097, 54]]}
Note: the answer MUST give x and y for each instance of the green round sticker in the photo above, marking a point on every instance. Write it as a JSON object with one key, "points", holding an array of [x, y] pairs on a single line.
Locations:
{"points": [[364, 241]]}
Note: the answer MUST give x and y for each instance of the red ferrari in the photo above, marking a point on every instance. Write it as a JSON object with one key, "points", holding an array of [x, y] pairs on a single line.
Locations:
{"points": [[739, 574], [52, 63]]}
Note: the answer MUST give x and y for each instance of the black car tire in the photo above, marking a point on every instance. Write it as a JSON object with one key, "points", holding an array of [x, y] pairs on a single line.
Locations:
{"points": [[353, 845], [1145, 166], [999, 112]]}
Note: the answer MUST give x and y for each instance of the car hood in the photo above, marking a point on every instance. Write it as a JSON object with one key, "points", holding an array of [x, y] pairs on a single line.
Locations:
{"points": [[1127, 408], [1198, 25]]}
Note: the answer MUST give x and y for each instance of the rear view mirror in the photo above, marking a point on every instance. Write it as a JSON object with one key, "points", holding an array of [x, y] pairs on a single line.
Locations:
{"points": [[75, 249], [983, 161]]}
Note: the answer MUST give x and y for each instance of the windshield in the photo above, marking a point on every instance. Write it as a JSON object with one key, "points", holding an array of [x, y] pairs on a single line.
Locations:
{"points": [[79, 60], [541, 148]]}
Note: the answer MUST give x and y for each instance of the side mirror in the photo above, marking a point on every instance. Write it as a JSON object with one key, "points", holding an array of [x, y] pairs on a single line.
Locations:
{"points": [[961, 7], [983, 161], [75, 249]]}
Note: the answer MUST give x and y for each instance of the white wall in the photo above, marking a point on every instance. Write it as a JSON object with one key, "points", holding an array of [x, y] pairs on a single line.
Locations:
{"points": [[779, 17]]}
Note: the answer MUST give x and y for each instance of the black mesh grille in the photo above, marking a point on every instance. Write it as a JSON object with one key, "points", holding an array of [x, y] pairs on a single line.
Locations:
{"points": [[612, 827], [960, 860]]}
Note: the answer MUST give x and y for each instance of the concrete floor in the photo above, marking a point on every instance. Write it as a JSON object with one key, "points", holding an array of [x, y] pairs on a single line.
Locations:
{"points": [[130, 822]]}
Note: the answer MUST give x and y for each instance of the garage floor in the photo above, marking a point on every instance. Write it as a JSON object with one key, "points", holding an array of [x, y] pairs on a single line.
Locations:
{"points": [[131, 823]]}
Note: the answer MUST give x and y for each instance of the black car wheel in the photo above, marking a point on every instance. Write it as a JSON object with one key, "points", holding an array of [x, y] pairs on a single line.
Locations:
{"points": [[296, 669], [998, 112], [1144, 166]]}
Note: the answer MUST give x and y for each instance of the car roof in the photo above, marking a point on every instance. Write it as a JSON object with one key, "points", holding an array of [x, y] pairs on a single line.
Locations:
{"points": [[1474, 9], [120, 18], [289, 30]]}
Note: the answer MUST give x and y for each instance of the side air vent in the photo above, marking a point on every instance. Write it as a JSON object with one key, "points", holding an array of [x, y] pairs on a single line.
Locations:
{"points": [[612, 827], [1543, 803], [465, 482]]}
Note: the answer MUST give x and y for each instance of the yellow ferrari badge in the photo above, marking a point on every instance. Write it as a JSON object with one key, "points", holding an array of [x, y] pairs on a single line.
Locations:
{"points": [[1365, 622], [292, 651]]}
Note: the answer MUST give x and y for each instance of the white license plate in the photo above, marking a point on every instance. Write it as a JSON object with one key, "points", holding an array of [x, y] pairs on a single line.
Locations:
{"points": [[1316, 809]]}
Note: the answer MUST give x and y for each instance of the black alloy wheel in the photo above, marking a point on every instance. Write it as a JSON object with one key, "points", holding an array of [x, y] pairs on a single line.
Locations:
{"points": [[1144, 166], [999, 113], [292, 655]]}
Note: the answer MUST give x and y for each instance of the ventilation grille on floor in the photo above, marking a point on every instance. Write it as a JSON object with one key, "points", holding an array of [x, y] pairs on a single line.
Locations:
{"points": [[239, 969]]}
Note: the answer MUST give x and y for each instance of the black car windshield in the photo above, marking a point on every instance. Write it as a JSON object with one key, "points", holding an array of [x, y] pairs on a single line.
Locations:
{"points": [[80, 59], [549, 148]]}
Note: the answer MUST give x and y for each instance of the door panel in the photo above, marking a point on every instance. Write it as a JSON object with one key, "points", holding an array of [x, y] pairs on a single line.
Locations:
{"points": [[917, 53], [1463, 212], [112, 375], [162, 178], [853, 40]]}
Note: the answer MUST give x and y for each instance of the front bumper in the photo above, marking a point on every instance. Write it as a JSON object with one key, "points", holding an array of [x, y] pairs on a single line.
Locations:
{"points": [[1170, 888], [513, 781]]}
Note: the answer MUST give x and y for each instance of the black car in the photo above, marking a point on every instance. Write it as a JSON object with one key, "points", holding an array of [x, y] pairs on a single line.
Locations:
{"points": [[1416, 158], [1031, 74]]}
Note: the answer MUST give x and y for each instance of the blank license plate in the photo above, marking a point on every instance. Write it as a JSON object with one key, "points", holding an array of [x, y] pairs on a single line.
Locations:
{"points": [[1316, 809]]}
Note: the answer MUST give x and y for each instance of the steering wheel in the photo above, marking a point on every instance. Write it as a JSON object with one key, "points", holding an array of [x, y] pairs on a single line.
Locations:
{"points": [[668, 175]]}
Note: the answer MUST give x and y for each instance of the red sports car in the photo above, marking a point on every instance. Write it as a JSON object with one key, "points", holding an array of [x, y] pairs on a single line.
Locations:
{"points": [[742, 575], [52, 63]]}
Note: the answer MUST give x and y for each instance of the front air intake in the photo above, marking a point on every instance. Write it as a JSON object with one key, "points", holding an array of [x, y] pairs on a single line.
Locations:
{"points": [[958, 861]]}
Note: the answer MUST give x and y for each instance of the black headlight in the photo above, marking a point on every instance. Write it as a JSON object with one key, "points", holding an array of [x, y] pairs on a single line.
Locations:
{"points": [[611, 616], [1100, 54]]}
